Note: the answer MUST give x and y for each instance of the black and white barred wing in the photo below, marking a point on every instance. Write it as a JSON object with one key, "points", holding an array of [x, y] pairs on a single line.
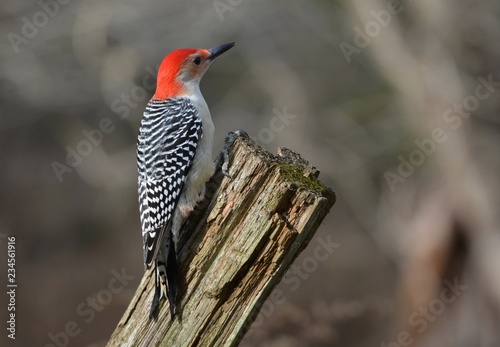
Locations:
{"points": [[168, 137]]}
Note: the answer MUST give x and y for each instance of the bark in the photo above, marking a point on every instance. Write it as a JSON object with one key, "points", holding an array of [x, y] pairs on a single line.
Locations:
{"points": [[234, 250]]}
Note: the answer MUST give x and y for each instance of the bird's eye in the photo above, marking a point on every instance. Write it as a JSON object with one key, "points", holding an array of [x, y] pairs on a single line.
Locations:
{"points": [[197, 60]]}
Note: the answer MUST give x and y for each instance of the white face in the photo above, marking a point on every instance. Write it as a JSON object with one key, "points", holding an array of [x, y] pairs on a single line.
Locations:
{"points": [[194, 67]]}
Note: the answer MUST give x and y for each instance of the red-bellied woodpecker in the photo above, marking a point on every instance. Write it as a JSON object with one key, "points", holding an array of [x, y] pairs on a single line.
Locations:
{"points": [[174, 159]]}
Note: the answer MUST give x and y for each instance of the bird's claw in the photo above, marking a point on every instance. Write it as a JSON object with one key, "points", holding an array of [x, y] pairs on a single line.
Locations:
{"points": [[222, 159], [224, 169], [238, 133]]}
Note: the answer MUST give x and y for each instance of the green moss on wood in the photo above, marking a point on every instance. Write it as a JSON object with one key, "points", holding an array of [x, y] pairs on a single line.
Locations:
{"points": [[291, 170], [297, 174]]}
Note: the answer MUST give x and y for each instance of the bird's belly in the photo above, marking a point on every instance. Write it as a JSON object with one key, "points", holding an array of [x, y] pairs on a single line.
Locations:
{"points": [[201, 170]]}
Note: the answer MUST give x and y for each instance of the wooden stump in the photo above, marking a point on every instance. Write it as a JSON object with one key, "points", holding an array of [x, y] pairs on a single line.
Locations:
{"points": [[233, 251]]}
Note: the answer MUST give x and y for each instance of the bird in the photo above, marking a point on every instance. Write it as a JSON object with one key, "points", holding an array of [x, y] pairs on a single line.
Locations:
{"points": [[174, 161]]}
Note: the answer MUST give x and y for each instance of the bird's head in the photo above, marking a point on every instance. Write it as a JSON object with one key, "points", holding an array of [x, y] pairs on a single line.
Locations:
{"points": [[182, 69]]}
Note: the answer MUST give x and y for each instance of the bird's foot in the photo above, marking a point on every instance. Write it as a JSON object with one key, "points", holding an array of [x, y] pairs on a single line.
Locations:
{"points": [[222, 159]]}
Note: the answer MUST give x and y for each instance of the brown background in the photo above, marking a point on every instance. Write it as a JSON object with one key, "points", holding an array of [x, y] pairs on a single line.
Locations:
{"points": [[355, 116]]}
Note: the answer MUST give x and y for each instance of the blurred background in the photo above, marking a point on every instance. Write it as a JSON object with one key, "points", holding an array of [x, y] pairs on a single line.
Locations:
{"points": [[396, 103]]}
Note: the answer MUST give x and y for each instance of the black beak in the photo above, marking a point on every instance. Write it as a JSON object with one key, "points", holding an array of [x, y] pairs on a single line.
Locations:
{"points": [[216, 51]]}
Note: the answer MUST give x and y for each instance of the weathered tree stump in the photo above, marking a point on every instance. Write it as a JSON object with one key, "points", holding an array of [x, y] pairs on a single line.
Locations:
{"points": [[234, 250]]}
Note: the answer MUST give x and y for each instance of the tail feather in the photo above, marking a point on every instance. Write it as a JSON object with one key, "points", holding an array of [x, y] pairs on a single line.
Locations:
{"points": [[156, 297], [166, 280], [172, 279]]}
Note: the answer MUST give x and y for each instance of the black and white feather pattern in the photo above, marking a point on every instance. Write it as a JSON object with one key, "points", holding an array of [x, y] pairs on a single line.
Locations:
{"points": [[166, 147]]}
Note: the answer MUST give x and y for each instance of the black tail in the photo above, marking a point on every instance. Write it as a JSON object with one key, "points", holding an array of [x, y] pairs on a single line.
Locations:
{"points": [[172, 279], [156, 297], [166, 280]]}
